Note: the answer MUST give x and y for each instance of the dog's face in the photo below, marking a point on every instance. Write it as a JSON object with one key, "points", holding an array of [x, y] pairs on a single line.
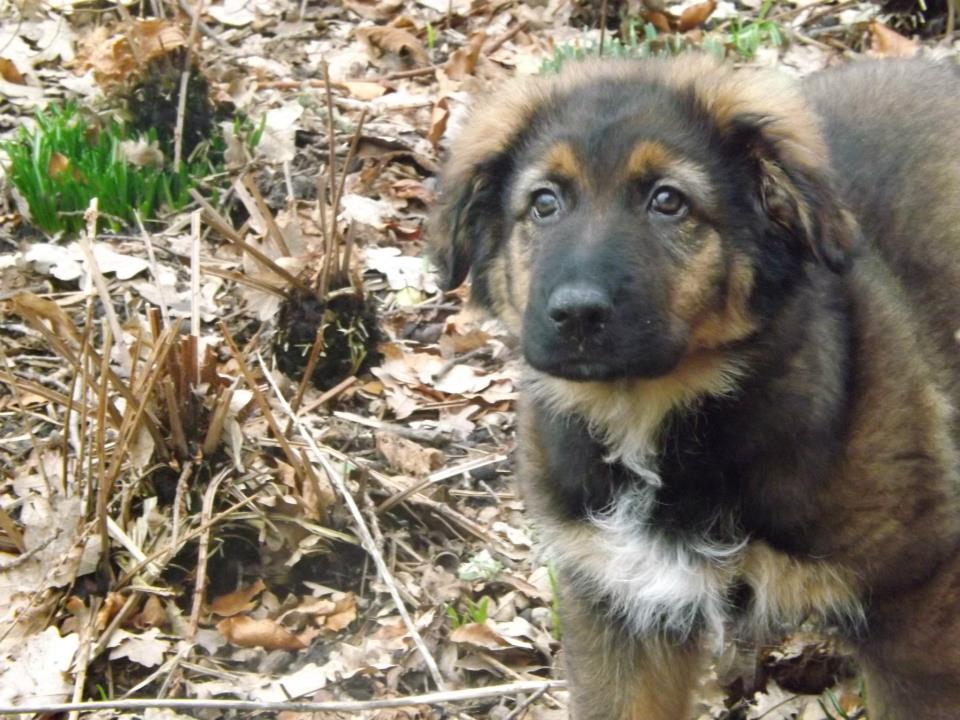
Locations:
{"points": [[626, 218]]}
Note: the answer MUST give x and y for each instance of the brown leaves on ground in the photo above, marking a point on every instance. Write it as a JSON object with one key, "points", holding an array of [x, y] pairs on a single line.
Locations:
{"points": [[160, 510]]}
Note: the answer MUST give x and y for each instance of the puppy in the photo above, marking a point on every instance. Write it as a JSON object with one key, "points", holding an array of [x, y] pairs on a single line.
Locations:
{"points": [[736, 297]]}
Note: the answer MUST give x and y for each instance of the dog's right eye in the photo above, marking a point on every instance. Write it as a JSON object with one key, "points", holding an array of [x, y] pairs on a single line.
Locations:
{"points": [[544, 204]]}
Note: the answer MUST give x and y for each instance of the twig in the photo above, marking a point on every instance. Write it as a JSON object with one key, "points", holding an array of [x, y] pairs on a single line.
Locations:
{"points": [[86, 247], [434, 698], [180, 502], [331, 236], [154, 268], [11, 382], [200, 586], [366, 537], [273, 230], [213, 218], [509, 35], [603, 25], [25, 557], [431, 437], [330, 394], [82, 661], [185, 87], [518, 710], [439, 476], [204, 28]]}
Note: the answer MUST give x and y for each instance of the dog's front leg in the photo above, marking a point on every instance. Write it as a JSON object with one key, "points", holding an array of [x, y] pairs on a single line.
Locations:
{"points": [[613, 675]]}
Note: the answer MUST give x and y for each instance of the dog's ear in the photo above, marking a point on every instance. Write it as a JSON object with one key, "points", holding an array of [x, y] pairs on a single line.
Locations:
{"points": [[795, 185], [465, 219], [468, 221]]}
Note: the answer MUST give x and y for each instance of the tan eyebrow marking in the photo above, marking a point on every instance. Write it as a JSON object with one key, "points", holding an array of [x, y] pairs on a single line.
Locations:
{"points": [[648, 156], [562, 160]]}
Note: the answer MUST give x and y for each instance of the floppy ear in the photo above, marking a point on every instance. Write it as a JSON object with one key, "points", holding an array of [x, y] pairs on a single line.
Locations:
{"points": [[468, 222], [465, 221], [796, 187]]}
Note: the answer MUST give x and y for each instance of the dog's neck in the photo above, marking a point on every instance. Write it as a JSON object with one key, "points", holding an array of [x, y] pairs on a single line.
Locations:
{"points": [[718, 433]]}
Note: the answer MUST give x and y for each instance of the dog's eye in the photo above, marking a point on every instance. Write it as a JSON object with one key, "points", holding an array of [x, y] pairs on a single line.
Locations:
{"points": [[545, 204], [668, 201]]}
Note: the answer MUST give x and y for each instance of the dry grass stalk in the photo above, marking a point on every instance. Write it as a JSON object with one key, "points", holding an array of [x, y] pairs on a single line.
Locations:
{"points": [[366, 537], [215, 220]]}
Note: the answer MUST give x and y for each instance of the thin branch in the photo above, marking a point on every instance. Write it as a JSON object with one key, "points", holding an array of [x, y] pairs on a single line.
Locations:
{"points": [[185, 86], [434, 698], [369, 544]]}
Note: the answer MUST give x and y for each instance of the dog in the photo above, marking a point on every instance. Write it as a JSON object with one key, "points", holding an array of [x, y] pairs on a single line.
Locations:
{"points": [[737, 297]]}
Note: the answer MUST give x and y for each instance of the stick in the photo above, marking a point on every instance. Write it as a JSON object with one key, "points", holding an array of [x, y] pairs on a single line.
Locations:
{"points": [[434, 698], [369, 544]]}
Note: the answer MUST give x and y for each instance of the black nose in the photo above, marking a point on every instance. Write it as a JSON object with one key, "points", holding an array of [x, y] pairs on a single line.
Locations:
{"points": [[579, 308]]}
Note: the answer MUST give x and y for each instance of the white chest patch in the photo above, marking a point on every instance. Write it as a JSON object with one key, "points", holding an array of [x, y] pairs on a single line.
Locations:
{"points": [[655, 582]]}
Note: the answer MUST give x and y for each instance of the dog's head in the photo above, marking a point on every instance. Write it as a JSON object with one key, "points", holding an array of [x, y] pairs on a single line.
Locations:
{"points": [[625, 216]]}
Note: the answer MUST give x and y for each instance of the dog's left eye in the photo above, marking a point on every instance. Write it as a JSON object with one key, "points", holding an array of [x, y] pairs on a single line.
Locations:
{"points": [[668, 201], [544, 204]]}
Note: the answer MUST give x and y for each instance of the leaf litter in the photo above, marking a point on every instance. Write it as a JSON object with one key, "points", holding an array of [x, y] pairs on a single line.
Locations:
{"points": [[182, 514]]}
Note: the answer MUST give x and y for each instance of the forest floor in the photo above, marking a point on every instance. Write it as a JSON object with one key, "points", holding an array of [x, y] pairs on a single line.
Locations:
{"points": [[181, 517]]}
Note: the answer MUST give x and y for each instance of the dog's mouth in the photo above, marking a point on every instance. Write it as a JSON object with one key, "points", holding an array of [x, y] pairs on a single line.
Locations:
{"points": [[602, 367], [582, 370]]}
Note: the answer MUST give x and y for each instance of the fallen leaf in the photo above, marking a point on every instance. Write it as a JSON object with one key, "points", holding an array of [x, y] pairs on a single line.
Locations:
{"points": [[364, 90], [245, 631], [373, 9], [10, 73], [777, 704], [438, 121], [145, 649], [889, 43], [237, 601], [40, 669], [386, 40], [463, 61], [152, 615], [58, 164], [696, 15], [402, 271], [406, 456], [488, 635], [235, 13], [142, 152]]}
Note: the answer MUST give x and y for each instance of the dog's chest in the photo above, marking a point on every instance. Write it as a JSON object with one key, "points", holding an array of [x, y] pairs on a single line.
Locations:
{"points": [[655, 580]]}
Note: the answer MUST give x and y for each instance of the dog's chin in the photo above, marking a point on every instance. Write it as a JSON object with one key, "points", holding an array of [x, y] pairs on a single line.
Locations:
{"points": [[592, 369], [583, 371]]}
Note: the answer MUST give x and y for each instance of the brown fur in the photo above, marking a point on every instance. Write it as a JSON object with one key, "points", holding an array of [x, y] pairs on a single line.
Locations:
{"points": [[772, 383]]}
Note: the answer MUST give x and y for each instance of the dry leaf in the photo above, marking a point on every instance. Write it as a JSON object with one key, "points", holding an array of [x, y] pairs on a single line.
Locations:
{"points": [[385, 40], [40, 670], [152, 615], [373, 9], [463, 62], [407, 457], [110, 607], [238, 601], [235, 13], [58, 164], [363, 90], [438, 121], [661, 21], [10, 73], [491, 635], [245, 631], [142, 153], [145, 649], [479, 634], [696, 15], [888, 43], [114, 58]]}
